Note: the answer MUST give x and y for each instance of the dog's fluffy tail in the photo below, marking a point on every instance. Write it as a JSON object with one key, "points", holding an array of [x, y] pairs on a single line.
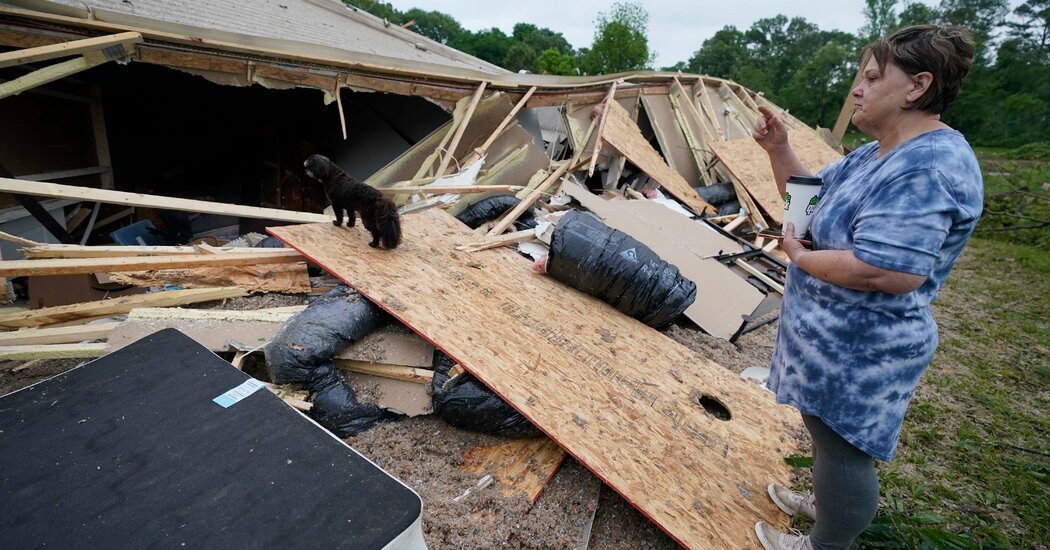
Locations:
{"points": [[389, 224]]}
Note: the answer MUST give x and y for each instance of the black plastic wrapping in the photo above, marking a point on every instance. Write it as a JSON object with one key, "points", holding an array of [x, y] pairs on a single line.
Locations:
{"points": [[270, 242], [493, 207], [467, 404], [614, 267], [302, 352], [731, 207], [716, 194]]}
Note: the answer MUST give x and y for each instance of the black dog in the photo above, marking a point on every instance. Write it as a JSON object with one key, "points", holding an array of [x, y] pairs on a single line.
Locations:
{"points": [[378, 213]]}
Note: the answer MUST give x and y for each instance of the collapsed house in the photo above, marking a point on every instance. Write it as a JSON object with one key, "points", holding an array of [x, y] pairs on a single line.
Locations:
{"points": [[172, 131]]}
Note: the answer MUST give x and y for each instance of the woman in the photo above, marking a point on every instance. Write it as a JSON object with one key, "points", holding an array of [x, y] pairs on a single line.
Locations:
{"points": [[856, 330]]}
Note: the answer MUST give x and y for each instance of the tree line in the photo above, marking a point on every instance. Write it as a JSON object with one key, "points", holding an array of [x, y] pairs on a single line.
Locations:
{"points": [[1005, 100]]}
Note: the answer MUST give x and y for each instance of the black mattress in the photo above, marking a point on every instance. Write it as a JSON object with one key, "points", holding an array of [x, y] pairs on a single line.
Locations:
{"points": [[133, 450]]}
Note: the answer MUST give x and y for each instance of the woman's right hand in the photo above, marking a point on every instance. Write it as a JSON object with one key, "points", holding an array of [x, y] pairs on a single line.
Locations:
{"points": [[769, 131]]}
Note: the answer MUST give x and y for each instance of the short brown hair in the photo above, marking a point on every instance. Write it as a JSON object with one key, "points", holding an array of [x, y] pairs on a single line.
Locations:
{"points": [[944, 51]]}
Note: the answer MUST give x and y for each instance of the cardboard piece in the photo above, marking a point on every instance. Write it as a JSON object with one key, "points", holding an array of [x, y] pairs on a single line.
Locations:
{"points": [[722, 296]]}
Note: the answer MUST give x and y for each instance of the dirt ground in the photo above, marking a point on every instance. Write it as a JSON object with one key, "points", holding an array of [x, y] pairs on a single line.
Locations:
{"points": [[575, 510]]}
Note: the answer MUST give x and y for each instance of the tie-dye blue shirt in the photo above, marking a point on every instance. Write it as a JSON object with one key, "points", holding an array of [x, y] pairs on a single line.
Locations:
{"points": [[851, 357]]}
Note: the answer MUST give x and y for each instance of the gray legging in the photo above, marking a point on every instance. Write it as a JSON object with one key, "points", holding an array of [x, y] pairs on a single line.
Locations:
{"points": [[845, 486]]}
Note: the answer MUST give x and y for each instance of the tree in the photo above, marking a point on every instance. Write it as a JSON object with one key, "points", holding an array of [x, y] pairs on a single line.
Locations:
{"points": [[722, 54], [982, 17], [915, 13], [815, 92], [383, 10], [540, 39], [552, 61], [434, 25], [880, 17], [491, 45], [1032, 27], [519, 57], [620, 42]]}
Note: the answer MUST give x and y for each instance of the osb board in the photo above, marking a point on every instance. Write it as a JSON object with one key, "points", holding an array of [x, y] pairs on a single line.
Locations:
{"points": [[617, 395], [722, 297], [749, 163], [283, 278], [517, 465], [669, 135], [623, 135]]}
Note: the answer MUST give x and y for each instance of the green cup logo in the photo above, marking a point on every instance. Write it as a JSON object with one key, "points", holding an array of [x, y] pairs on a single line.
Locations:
{"points": [[812, 205], [787, 201]]}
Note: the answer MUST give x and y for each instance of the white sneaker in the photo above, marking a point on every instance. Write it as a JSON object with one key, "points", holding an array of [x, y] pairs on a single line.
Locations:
{"points": [[793, 503], [773, 539]]}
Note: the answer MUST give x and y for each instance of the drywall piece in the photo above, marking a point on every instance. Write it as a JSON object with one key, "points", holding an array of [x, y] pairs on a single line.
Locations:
{"points": [[392, 345], [51, 351], [408, 398], [164, 439], [519, 465], [115, 306], [749, 163], [638, 409], [623, 135], [673, 144], [722, 297]]}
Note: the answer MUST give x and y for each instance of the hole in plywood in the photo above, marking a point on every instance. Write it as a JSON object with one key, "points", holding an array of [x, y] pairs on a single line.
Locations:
{"points": [[714, 407]]}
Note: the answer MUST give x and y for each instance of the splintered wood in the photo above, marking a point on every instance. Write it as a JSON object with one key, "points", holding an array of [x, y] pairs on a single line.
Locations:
{"points": [[623, 135], [749, 164], [619, 396], [519, 465]]}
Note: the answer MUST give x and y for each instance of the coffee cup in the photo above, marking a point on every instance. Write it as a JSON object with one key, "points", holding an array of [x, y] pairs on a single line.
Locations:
{"points": [[800, 201]]}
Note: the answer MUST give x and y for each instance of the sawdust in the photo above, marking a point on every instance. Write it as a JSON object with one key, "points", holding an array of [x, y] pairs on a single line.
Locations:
{"points": [[427, 454]]}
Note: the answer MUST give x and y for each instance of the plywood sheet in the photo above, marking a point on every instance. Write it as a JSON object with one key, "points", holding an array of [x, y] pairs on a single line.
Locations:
{"points": [[749, 163], [722, 297], [622, 134], [518, 465], [619, 396], [672, 141]]}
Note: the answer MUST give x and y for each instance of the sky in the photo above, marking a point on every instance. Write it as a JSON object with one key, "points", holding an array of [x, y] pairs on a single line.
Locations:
{"points": [[676, 28]]}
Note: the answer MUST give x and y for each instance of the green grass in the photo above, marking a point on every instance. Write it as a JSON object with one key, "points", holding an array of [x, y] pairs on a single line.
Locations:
{"points": [[973, 464]]}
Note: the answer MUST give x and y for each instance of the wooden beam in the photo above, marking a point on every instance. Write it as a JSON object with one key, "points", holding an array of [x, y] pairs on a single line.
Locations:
{"points": [[72, 266], [62, 174], [59, 335], [451, 150], [500, 240], [116, 306], [846, 113], [55, 190], [440, 189], [480, 151], [601, 127], [38, 250], [51, 73], [209, 249], [759, 275], [44, 218], [16, 239], [98, 129], [122, 43], [516, 212], [51, 351], [397, 372]]}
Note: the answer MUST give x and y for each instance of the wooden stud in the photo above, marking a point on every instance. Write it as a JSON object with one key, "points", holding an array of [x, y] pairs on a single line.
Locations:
{"points": [[72, 266], [759, 275], [500, 240], [51, 351], [58, 191], [515, 213], [115, 306], [440, 189], [447, 158], [397, 372], [209, 249], [339, 107], [846, 113], [59, 335], [51, 73], [39, 250], [601, 127], [729, 227], [16, 239], [480, 151], [122, 41]]}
